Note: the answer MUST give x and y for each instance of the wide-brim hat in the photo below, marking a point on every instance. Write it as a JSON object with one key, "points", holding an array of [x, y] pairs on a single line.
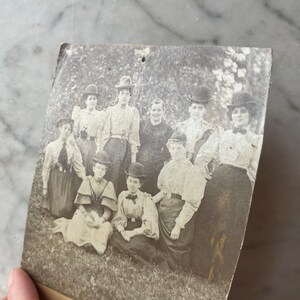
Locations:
{"points": [[101, 158], [241, 99], [178, 137], [91, 89], [63, 121], [125, 83], [202, 95], [136, 170]]}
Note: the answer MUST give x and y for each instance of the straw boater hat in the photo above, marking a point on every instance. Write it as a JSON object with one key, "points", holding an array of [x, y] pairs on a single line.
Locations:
{"points": [[242, 99], [125, 83], [64, 121], [178, 137], [91, 89], [102, 158], [136, 170], [202, 95]]}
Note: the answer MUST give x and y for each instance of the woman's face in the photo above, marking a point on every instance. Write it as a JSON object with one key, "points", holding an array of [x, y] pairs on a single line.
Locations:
{"points": [[65, 130], [156, 112], [196, 111], [133, 184], [177, 151], [124, 97], [240, 117], [99, 170], [91, 102]]}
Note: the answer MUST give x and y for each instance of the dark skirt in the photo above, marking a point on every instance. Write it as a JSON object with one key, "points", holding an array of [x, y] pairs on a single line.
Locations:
{"points": [[220, 224], [88, 150], [120, 157], [140, 248], [179, 250], [62, 190]]}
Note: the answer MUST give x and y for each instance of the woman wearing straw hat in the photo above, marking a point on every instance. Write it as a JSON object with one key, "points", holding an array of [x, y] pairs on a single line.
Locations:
{"points": [[88, 126], [96, 201], [153, 153], [120, 135], [136, 223], [62, 158], [181, 188], [224, 210]]}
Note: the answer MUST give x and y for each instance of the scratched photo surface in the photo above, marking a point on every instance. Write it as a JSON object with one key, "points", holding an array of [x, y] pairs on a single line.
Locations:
{"points": [[146, 170]]}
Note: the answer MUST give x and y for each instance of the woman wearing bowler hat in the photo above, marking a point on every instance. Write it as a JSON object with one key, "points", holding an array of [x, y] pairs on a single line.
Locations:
{"points": [[181, 186], [135, 223], [62, 159], [224, 210], [96, 201], [88, 126]]}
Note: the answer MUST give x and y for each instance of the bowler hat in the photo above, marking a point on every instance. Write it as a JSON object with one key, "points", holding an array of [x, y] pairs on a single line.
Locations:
{"points": [[101, 158], [63, 121], [125, 83], [201, 95], [241, 99], [136, 170], [178, 137], [91, 89]]}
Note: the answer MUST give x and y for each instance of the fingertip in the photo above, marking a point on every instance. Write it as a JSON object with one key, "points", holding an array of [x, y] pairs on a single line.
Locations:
{"points": [[21, 286]]}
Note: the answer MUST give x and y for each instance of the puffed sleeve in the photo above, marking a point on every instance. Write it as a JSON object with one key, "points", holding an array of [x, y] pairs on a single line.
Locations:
{"points": [[193, 191], [119, 221], [134, 135], [256, 143], [47, 165], [76, 117], [150, 218], [84, 194], [162, 182], [106, 128], [99, 140], [77, 162], [109, 197]]}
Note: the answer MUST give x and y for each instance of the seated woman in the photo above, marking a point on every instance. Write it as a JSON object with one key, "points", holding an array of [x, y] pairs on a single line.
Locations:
{"points": [[182, 187], [224, 210], [96, 200], [136, 223]]}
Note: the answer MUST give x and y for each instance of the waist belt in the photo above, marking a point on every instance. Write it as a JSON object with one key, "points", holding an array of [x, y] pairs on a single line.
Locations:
{"points": [[88, 138], [119, 136], [62, 169], [176, 196]]}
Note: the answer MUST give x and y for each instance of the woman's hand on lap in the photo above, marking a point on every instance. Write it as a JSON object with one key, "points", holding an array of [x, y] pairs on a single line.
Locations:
{"points": [[175, 232]]}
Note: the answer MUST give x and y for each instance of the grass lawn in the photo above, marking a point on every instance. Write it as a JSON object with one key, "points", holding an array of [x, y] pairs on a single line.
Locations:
{"points": [[82, 274]]}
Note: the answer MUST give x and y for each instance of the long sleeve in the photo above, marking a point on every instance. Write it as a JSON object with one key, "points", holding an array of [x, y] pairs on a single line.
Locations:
{"points": [[76, 118], [99, 133], [77, 162], [47, 165], [253, 166], [134, 136], [193, 191], [106, 131], [119, 221], [150, 219]]}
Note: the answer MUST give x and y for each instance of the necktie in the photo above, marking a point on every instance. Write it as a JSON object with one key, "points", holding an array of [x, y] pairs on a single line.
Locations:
{"points": [[63, 157], [239, 130], [132, 197]]}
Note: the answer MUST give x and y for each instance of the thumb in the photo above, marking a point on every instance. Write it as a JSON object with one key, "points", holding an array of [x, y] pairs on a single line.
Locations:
{"points": [[21, 287]]}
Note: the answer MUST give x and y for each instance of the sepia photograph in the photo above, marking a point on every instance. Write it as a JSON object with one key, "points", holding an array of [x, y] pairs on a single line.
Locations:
{"points": [[146, 170]]}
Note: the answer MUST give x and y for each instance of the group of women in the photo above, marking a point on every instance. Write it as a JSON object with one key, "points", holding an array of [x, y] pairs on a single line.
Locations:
{"points": [[165, 175]]}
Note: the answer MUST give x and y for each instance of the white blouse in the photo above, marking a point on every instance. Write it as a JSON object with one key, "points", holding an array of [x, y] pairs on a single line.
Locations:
{"points": [[51, 158], [241, 150], [186, 180], [122, 122]]}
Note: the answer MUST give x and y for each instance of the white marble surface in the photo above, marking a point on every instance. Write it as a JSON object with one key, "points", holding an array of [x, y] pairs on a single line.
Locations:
{"points": [[31, 32]]}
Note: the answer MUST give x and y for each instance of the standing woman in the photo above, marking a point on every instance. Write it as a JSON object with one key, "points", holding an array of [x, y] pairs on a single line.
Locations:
{"points": [[62, 158], [88, 126], [181, 190], [224, 210], [153, 152]]}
